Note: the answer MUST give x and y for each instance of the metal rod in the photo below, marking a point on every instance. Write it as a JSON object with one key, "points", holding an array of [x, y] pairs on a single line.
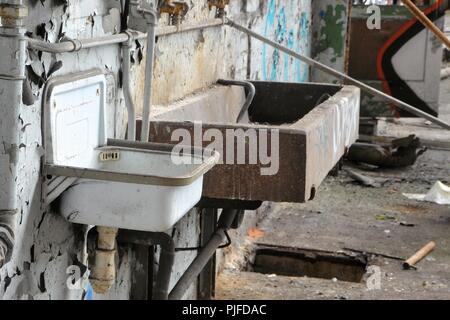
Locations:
{"points": [[340, 75], [76, 45], [217, 239], [148, 83], [422, 17], [126, 84], [251, 92]]}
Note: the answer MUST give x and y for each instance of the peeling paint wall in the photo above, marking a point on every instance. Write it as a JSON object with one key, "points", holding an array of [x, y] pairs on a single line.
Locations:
{"points": [[188, 62], [329, 36], [47, 247]]}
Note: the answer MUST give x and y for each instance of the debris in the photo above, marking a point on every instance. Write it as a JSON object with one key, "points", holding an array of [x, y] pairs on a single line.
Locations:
{"points": [[439, 194], [383, 217], [406, 224], [365, 180], [418, 256], [401, 152], [368, 253], [383, 130]]}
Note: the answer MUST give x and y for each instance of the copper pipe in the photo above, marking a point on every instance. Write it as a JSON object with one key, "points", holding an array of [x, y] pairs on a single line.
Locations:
{"points": [[427, 22]]}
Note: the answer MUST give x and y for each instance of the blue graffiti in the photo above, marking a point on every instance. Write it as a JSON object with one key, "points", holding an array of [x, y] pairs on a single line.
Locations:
{"points": [[290, 45], [296, 38], [280, 34], [270, 21], [301, 69]]}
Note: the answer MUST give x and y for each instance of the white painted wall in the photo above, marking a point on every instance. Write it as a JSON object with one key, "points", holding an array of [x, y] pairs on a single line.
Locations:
{"points": [[46, 245]]}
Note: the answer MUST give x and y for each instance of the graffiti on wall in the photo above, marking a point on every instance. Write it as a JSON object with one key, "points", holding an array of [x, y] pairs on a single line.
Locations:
{"points": [[401, 58], [289, 25], [390, 73]]}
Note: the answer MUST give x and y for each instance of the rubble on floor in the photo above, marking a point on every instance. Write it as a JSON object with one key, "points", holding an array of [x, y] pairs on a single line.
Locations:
{"points": [[348, 218]]}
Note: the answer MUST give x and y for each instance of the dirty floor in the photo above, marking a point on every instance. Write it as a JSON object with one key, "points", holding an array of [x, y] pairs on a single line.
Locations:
{"points": [[379, 225]]}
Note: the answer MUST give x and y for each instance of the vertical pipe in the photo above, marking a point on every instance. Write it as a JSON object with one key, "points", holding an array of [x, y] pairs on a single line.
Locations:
{"points": [[12, 74], [166, 258], [166, 261], [126, 84], [148, 82], [103, 272]]}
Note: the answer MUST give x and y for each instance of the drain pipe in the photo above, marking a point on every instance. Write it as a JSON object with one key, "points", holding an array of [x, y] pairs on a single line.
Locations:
{"points": [[103, 271], [151, 17], [166, 256], [251, 91], [12, 75], [218, 238]]}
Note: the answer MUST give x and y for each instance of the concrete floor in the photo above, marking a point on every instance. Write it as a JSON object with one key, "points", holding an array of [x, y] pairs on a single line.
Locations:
{"points": [[345, 217]]}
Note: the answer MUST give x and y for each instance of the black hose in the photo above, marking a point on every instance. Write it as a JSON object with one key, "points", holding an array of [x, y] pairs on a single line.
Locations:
{"points": [[251, 92], [218, 238]]}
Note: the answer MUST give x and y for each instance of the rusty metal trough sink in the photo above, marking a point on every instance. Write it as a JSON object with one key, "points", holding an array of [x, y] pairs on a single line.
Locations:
{"points": [[316, 123]]}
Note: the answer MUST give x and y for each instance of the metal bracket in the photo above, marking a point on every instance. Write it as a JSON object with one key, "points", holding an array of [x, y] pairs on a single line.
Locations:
{"points": [[220, 7], [146, 12]]}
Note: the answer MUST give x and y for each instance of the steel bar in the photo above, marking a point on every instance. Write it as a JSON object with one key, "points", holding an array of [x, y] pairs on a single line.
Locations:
{"points": [[76, 45], [218, 238], [340, 75]]}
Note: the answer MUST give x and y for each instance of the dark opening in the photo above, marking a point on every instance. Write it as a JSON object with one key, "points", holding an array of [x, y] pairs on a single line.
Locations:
{"points": [[279, 103], [293, 262]]}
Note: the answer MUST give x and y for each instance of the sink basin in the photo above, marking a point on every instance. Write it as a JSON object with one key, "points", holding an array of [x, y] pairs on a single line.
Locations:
{"points": [[134, 189], [136, 186], [315, 124]]}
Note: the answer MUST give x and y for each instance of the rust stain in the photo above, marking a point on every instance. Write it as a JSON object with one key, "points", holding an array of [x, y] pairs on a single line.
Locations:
{"points": [[255, 233]]}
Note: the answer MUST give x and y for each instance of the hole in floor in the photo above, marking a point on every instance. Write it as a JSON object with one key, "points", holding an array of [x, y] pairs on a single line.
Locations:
{"points": [[293, 262]]}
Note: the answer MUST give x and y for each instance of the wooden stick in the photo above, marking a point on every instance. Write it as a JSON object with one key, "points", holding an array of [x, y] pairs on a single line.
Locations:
{"points": [[419, 255], [426, 22]]}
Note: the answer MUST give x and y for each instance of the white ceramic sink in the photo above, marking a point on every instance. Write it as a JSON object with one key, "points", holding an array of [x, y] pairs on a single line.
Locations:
{"points": [[133, 189], [136, 186]]}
